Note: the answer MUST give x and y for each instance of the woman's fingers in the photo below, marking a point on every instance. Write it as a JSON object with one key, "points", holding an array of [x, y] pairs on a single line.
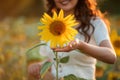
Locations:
{"points": [[74, 44], [71, 46]]}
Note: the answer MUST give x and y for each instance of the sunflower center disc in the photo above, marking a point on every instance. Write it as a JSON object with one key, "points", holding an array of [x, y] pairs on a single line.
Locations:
{"points": [[57, 28]]}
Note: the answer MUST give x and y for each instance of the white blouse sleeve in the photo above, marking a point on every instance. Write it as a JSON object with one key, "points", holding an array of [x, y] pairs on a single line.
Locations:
{"points": [[100, 32]]}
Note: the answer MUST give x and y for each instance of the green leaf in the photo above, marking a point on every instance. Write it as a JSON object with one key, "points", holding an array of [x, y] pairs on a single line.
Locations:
{"points": [[72, 77], [35, 46], [64, 59], [34, 55], [46, 66]]}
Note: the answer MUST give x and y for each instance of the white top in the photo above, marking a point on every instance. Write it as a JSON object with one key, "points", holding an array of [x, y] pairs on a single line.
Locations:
{"points": [[80, 64]]}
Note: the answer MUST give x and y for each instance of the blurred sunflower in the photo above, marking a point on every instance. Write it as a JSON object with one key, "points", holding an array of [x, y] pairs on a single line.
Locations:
{"points": [[58, 30], [115, 39]]}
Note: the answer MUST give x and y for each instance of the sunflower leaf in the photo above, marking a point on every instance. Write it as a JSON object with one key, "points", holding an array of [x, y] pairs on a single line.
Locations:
{"points": [[35, 46], [64, 59], [72, 77], [46, 66]]}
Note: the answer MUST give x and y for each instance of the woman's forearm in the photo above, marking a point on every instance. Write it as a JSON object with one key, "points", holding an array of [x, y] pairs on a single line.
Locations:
{"points": [[104, 54]]}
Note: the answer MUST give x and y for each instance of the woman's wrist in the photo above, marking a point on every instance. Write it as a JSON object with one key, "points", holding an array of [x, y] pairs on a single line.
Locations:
{"points": [[79, 46]]}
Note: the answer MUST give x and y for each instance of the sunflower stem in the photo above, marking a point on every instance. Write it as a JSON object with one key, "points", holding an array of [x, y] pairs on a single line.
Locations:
{"points": [[57, 63]]}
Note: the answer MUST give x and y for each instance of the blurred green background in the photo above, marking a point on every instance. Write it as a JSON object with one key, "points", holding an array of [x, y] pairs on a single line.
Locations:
{"points": [[18, 32]]}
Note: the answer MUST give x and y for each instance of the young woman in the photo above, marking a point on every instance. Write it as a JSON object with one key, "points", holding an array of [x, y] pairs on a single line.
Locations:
{"points": [[92, 41]]}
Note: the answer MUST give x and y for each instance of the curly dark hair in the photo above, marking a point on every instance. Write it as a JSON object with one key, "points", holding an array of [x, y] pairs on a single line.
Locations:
{"points": [[84, 11]]}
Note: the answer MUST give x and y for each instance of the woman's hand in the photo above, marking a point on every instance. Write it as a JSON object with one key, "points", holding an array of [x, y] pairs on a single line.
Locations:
{"points": [[71, 46], [34, 70]]}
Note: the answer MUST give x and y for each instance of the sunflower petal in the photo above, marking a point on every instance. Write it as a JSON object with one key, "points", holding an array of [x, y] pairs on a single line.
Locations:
{"points": [[44, 21], [72, 25], [61, 14], [41, 27], [69, 17], [54, 15], [47, 17]]}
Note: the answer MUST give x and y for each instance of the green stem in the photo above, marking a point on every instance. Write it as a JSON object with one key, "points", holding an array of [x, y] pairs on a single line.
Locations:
{"points": [[57, 63]]}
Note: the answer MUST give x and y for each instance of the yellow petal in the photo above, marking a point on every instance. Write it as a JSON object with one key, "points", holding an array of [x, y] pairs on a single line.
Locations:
{"points": [[41, 27], [61, 14], [72, 24], [47, 17], [69, 17], [54, 15], [44, 21]]}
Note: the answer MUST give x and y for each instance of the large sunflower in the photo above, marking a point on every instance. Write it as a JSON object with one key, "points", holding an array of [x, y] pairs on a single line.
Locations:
{"points": [[58, 30], [115, 39]]}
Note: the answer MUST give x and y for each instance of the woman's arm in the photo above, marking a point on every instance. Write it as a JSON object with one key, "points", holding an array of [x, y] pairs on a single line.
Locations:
{"points": [[103, 52]]}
